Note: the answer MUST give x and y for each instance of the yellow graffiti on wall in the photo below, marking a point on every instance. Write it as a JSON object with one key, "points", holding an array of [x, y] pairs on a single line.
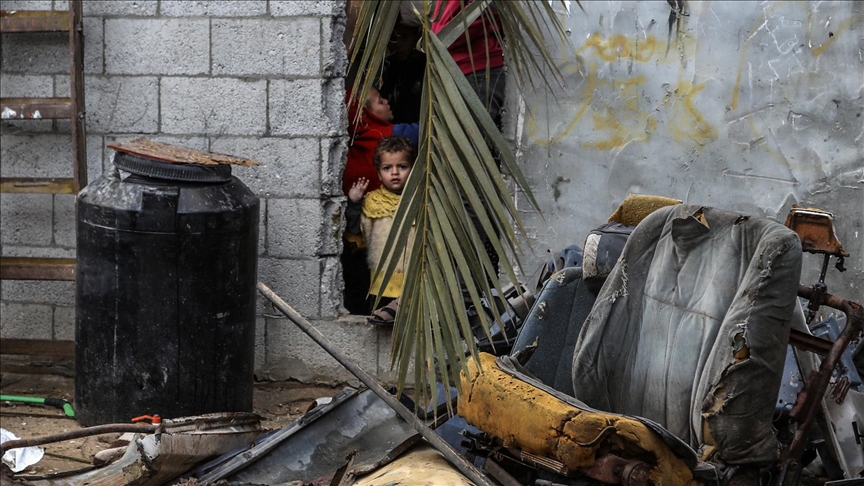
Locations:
{"points": [[817, 51], [619, 113], [586, 95], [621, 46], [627, 128], [687, 123]]}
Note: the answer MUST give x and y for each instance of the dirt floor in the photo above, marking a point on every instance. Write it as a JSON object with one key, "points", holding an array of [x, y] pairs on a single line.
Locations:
{"points": [[278, 403]]}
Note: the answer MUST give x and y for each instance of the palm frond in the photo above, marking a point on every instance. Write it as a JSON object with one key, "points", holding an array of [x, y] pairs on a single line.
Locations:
{"points": [[455, 175]]}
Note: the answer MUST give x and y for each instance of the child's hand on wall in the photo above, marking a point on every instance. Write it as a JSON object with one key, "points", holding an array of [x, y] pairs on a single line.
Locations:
{"points": [[355, 194]]}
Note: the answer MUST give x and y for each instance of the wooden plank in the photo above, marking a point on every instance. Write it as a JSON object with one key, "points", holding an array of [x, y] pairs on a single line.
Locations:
{"points": [[20, 21], [76, 86], [36, 185], [37, 269], [35, 108], [38, 347]]}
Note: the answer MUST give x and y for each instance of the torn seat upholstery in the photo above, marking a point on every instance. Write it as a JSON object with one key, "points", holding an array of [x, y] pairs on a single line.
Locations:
{"points": [[506, 402], [691, 327]]}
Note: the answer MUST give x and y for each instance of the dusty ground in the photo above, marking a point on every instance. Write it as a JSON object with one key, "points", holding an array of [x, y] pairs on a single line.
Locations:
{"points": [[278, 403]]}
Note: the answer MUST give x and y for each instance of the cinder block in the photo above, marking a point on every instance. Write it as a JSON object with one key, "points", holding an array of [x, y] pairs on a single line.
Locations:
{"points": [[293, 8], [294, 227], [118, 104], [43, 155], [25, 86], [245, 47], [297, 108], [386, 372], [37, 251], [35, 155], [333, 224], [48, 53], [334, 59], [26, 219], [334, 154], [157, 46], [64, 323], [94, 45], [64, 220], [213, 8], [25, 321], [42, 53], [27, 4], [332, 285], [289, 167], [291, 354], [334, 105], [112, 8], [39, 292], [221, 106], [298, 282], [95, 154]]}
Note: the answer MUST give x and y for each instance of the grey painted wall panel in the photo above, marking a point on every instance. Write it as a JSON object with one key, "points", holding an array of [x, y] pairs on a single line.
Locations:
{"points": [[747, 106]]}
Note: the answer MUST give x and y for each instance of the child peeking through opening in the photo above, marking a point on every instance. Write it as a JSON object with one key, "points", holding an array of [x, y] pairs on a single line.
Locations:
{"points": [[373, 124], [372, 217]]}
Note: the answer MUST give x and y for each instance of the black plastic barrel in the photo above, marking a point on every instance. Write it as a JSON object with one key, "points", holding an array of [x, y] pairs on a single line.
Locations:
{"points": [[165, 292]]}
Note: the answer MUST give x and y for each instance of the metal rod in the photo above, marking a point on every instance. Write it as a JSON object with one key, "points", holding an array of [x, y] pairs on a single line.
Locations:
{"points": [[824, 269], [817, 382], [77, 434], [434, 439]]}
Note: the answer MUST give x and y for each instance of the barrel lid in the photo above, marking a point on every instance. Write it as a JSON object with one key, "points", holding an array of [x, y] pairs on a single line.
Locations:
{"points": [[175, 172]]}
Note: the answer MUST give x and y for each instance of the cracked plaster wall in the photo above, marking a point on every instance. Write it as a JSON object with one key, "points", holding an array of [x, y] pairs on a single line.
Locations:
{"points": [[746, 106]]}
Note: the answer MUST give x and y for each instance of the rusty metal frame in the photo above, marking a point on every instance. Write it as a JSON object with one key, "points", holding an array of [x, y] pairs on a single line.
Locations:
{"points": [[816, 383]]}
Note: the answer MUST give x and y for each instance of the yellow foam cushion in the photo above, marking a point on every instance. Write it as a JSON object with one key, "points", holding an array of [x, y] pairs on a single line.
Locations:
{"points": [[535, 421]]}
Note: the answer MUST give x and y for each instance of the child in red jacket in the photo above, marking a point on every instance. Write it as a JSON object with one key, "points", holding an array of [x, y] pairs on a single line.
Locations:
{"points": [[373, 125]]}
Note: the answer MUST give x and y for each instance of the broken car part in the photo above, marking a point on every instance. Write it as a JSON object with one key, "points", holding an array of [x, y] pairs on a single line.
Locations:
{"points": [[355, 422], [439, 444], [540, 421]]}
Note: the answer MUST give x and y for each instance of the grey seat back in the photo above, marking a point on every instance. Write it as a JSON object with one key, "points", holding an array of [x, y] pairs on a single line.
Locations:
{"points": [[690, 330], [554, 324]]}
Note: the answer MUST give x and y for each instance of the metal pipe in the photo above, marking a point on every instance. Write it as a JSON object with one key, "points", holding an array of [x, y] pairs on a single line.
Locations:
{"points": [[817, 382], [77, 434], [434, 439]]}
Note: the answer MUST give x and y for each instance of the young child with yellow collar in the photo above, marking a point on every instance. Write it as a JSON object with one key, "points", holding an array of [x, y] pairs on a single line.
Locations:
{"points": [[371, 217]]}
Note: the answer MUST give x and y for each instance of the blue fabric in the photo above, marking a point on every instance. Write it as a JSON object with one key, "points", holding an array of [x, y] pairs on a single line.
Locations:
{"points": [[410, 130]]}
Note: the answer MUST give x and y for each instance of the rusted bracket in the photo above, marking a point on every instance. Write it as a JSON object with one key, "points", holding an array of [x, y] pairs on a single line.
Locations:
{"points": [[817, 382]]}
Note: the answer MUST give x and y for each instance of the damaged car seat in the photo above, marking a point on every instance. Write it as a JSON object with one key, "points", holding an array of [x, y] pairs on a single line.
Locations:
{"points": [[690, 330]]}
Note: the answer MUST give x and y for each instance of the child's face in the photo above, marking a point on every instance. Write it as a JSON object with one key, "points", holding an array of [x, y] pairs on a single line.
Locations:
{"points": [[393, 170], [379, 106]]}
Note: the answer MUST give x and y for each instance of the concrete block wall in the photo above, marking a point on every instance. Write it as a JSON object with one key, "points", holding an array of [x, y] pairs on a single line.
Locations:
{"points": [[262, 79]]}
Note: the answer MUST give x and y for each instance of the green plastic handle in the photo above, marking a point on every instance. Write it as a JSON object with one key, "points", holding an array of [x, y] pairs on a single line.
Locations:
{"points": [[53, 402]]}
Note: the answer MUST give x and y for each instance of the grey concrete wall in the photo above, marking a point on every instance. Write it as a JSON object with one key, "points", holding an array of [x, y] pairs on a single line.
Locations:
{"points": [[257, 78], [750, 106]]}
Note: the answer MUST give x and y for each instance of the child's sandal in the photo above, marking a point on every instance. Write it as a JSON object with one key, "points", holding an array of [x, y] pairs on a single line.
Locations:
{"points": [[385, 316]]}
